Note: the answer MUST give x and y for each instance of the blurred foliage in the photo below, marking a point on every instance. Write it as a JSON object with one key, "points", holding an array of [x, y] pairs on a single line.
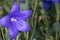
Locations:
{"points": [[45, 24]]}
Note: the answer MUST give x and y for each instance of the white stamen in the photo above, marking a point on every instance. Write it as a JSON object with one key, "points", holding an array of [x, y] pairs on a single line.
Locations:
{"points": [[13, 19]]}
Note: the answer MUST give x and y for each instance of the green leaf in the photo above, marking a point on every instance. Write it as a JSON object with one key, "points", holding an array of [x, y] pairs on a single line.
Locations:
{"points": [[6, 8], [7, 35], [56, 27], [0, 36]]}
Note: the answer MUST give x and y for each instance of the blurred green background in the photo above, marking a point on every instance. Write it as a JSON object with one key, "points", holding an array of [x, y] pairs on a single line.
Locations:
{"points": [[45, 25]]}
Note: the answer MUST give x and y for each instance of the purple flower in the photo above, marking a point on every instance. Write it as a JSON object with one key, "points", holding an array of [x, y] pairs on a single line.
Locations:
{"points": [[55, 1], [22, 1], [16, 20], [47, 4]]}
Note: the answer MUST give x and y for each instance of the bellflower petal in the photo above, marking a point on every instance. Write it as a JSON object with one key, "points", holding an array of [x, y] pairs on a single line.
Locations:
{"points": [[55, 1], [47, 5], [13, 32], [5, 21], [15, 11], [22, 26], [15, 8], [15, 15], [25, 14], [22, 1], [47, 0]]}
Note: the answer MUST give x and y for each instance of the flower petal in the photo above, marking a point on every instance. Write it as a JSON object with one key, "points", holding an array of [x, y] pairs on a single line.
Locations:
{"points": [[25, 14], [46, 6], [13, 31], [55, 1], [22, 26], [5, 21], [15, 8], [22, 1], [47, 0]]}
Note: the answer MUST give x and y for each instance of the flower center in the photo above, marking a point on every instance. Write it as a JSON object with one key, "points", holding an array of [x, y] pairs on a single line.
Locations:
{"points": [[13, 19]]}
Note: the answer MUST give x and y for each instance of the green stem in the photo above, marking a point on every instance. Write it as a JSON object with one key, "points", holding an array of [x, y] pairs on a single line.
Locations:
{"points": [[26, 2], [58, 11], [34, 26], [46, 38], [44, 17], [59, 34], [18, 37], [46, 26], [27, 36], [6, 34], [2, 33], [56, 36], [57, 16], [34, 9]]}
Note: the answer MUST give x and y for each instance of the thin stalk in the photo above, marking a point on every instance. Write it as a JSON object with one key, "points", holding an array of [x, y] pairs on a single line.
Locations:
{"points": [[18, 36], [44, 17], [34, 9], [27, 35], [18, 1], [56, 36], [46, 38], [59, 34], [24, 34], [34, 26], [57, 11], [6, 34], [26, 2], [57, 16], [32, 3], [45, 20], [2, 33]]}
